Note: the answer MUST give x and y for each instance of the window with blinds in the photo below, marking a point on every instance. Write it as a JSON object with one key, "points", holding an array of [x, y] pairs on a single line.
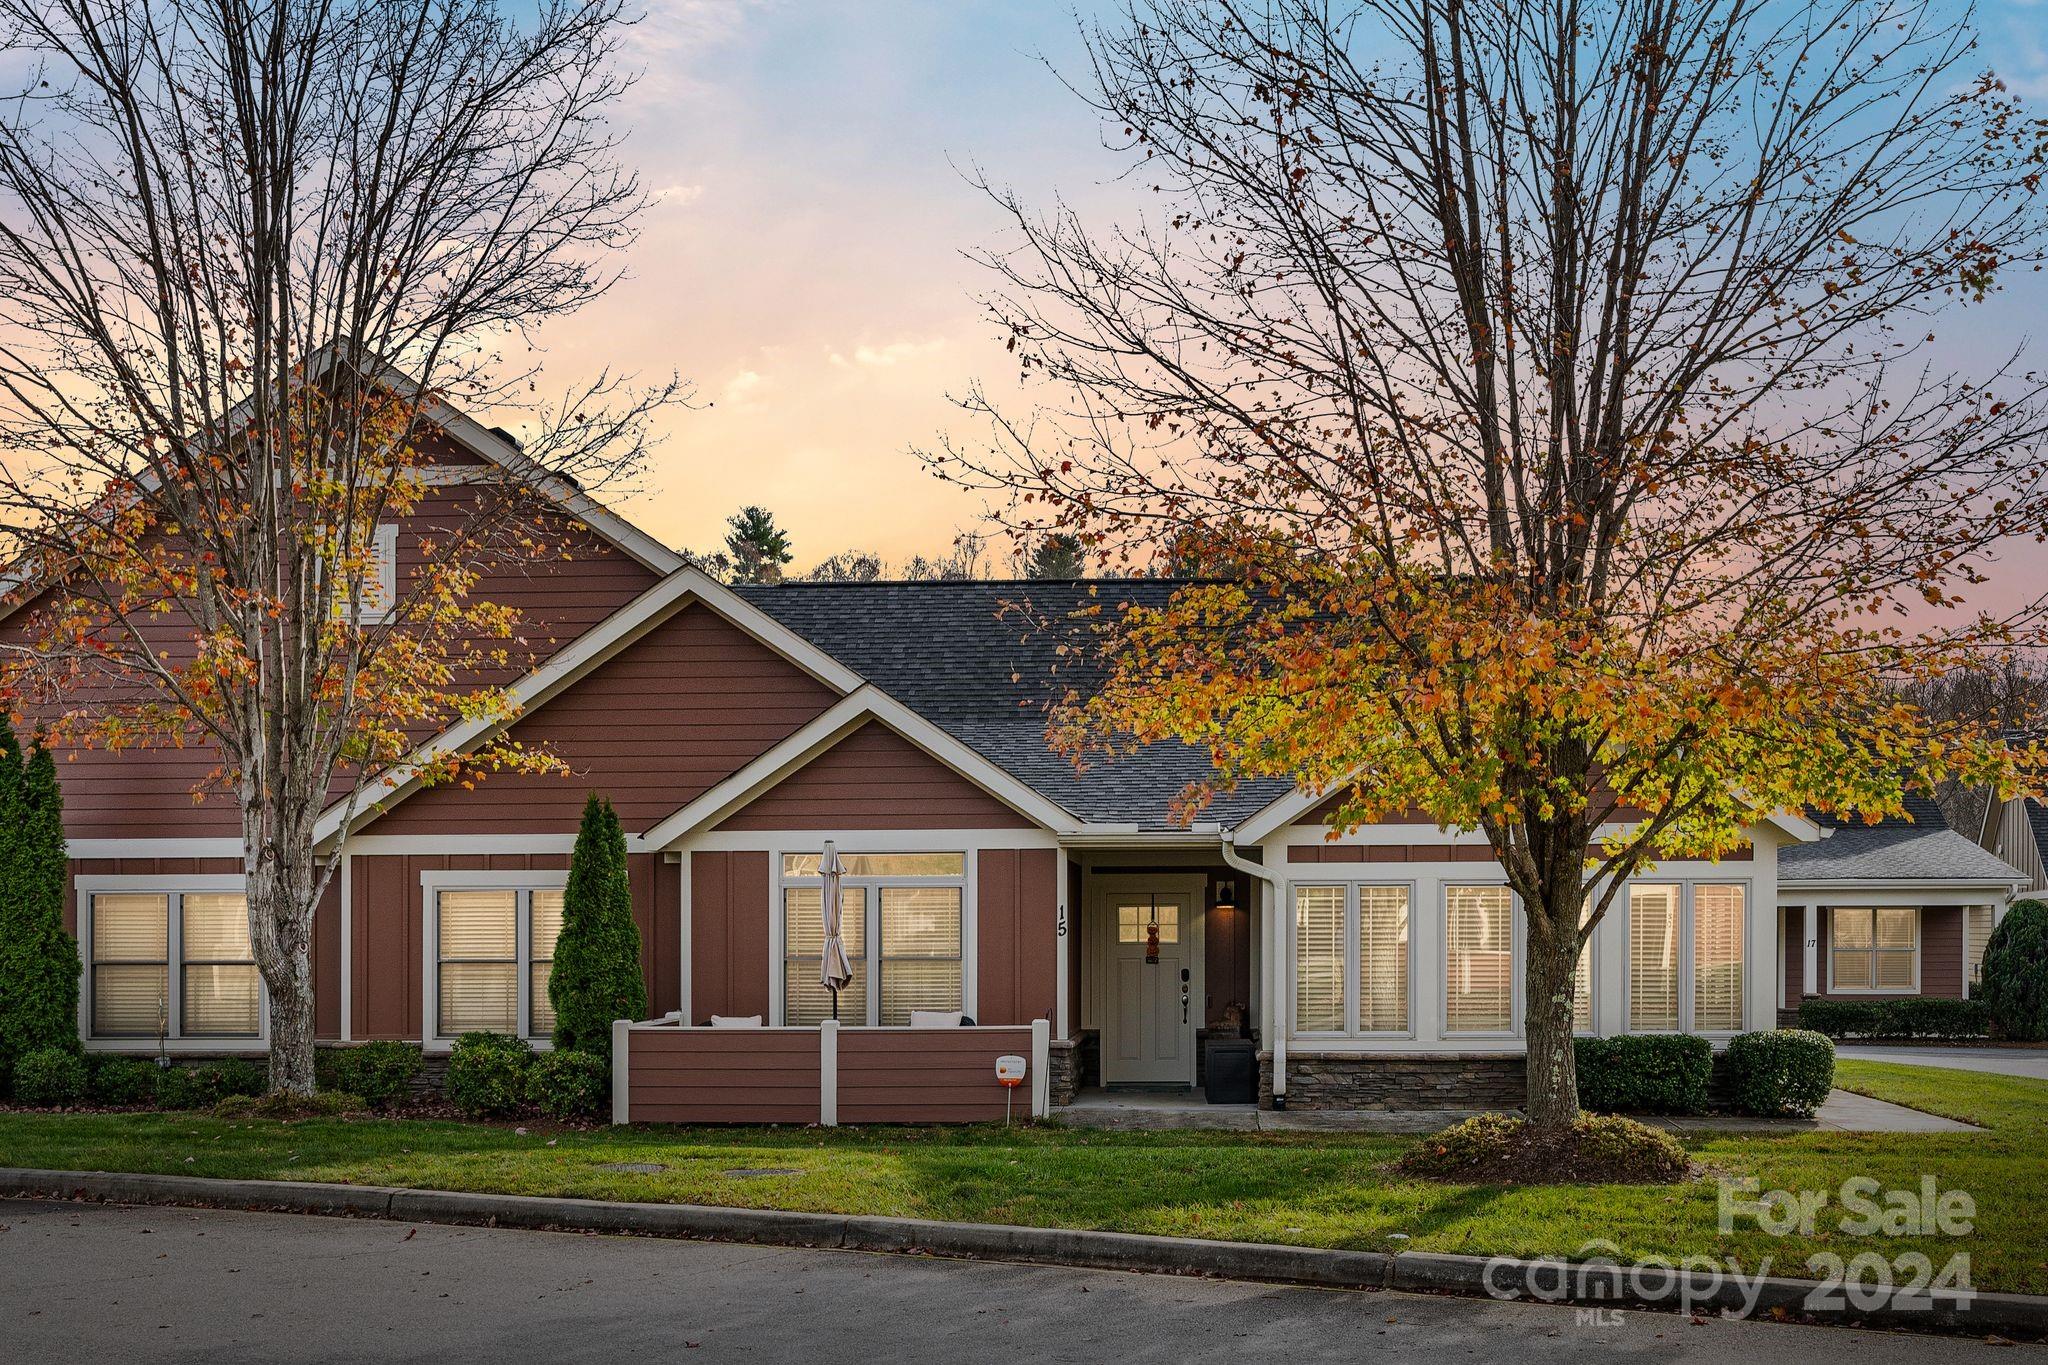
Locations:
{"points": [[1874, 950], [494, 953], [1383, 959], [1318, 959], [1479, 959], [172, 964], [911, 907], [1582, 979], [1653, 958], [1718, 914]]}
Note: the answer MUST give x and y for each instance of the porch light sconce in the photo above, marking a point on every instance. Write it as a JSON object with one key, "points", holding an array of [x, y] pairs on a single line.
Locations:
{"points": [[1226, 896]]}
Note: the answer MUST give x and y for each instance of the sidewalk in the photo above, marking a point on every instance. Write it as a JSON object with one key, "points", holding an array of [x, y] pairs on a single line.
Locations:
{"points": [[1844, 1112]]}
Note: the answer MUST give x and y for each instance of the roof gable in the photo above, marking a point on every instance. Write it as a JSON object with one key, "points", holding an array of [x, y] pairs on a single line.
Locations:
{"points": [[874, 778]]}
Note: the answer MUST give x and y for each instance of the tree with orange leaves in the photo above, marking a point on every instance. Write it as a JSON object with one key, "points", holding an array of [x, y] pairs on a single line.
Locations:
{"points": [[1555, 381], [249, 258]]}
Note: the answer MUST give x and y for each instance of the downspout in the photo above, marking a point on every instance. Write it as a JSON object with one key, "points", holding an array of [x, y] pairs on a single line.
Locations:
{"points": [[1273, 939]]}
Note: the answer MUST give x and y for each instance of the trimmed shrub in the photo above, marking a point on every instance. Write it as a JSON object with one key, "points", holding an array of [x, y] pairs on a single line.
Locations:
{"points": [[235, 1076], [183, 1087], [1505, 1149], [569, 1085], [596, 975], [2014, 990], [378, 1074], [487, 1074], [1780, 1071], [50, 1075], [1644, 1073], [1907, 1017], [39, 964], [124, 1080]]}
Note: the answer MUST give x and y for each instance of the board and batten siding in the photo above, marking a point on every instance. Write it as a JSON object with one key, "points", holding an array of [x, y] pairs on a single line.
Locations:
{"points": [[874, 779], [2017, 845], [729, 934], [1016, 929], [672, 714]]}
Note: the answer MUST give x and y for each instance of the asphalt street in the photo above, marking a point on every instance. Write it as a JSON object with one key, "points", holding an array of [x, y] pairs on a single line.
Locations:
{"points": [[85, 1282]]}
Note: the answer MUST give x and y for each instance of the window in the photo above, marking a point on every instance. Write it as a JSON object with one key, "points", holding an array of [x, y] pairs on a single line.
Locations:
{"points": [[1355, 934], [1686, 947], [1582, 979], [1717, 919], [1653, 959], [909, 906], [494, 948], [1876, 950], [1479, 959], [173, 964], [379, 592]]}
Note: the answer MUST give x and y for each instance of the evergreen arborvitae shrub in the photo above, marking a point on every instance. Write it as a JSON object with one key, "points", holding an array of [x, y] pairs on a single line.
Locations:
{"points": [[2015, 985], [39, 964], [596, 976]]}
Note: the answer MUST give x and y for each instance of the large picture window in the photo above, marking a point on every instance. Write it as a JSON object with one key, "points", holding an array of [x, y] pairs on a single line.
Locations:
{"points": [[1874, 950], [1356, 935], [902, 920], [173, 963], [1479, 959], [494, 948], [1686, 952]]}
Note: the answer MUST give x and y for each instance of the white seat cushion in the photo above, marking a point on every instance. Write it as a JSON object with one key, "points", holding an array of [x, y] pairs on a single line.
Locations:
{"points": [[935, 1018], [735, 1021]]}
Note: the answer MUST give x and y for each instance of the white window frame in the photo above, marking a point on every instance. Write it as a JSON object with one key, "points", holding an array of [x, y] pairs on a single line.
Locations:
{"points": [[172, 888], [1686, 965], [1919, 951], [384, 545], [1516, 959], [1349, 970], [432, 884], [850, 845]]}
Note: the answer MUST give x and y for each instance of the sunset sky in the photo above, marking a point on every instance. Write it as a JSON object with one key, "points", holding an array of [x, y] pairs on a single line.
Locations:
{"points": [[803, 265]]}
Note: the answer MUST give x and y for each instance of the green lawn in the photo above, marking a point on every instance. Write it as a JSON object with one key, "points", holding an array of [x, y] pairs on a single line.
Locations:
{"points": [[1315, 1189]]}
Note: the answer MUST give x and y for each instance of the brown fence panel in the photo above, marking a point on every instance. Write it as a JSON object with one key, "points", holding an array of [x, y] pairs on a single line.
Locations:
{"points": [[723, 1076], [928, 1075]]}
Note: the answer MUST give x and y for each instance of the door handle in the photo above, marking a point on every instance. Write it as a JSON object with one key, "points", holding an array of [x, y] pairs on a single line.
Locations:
{"points": [[1183, 1002]]}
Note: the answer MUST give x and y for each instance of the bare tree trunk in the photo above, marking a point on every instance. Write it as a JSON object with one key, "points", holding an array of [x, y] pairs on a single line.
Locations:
{"points": [[1553, 955], [284, 882]]}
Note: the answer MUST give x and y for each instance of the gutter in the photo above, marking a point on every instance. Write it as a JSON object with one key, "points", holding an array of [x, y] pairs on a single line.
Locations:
{"points": [[1274, 941]]}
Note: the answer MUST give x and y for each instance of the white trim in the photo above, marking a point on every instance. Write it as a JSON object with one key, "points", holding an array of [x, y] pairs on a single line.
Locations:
{"points": [[79, 849], [1353, 924], [1062, 946], [431, 885], [869, 840], [1041, 1068], [828, 1073], [1809, 976], [863, 704], [1894, 892], [584, 654], [684, 932], [622, 1065]]}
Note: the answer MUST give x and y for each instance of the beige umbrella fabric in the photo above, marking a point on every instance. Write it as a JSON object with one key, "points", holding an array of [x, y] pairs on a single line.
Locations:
{"points": [[835, 971]]}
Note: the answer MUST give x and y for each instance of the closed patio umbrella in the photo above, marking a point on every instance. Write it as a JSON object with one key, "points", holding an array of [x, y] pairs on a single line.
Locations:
{"points": [[834, 970]]}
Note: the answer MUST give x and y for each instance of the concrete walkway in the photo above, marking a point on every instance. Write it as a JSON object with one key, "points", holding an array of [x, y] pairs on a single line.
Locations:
{"points": [[1139, 1111], [2003, 1061]]}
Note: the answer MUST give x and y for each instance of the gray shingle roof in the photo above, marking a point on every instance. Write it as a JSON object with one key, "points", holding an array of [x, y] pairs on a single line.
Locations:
{"points": [[1920, 849], [983, 659]]}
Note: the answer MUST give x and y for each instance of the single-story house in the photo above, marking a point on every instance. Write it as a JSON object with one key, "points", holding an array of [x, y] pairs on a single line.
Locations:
{"points": [[737, 731]]}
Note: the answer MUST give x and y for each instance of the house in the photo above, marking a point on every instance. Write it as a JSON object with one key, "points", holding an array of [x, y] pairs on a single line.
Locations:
{"points": [[2017, 831], [739, 730]]}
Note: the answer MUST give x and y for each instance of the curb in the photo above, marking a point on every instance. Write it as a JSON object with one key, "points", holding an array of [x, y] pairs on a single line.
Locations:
{"points": [[1594, 1284]]}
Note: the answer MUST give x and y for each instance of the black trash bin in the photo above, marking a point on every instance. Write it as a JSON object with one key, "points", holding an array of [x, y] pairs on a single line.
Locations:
{"points": [[1232, 1068]]}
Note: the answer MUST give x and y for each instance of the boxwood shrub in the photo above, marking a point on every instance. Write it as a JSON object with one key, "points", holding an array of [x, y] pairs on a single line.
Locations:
{"points": [[379, 1073], [205, 1085], [1780, 1071], [487, 1074], [1644, 1073], [1909, 1016], [568, 1084], [49, 1075], [124, 1080]]}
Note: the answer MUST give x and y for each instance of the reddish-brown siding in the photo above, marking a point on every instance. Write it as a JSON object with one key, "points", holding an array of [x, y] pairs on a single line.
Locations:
{"points": [[149, 792], [728, 934], [674, 713], [928, 1075], [327, 962], [1016, 913], [875, 779], [658, 910], [1227, 951], [1794, 934], [723, 1076], [1073, 943]]}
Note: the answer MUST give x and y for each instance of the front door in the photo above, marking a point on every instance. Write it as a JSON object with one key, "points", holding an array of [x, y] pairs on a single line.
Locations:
{"points": [[1153, 1001]]}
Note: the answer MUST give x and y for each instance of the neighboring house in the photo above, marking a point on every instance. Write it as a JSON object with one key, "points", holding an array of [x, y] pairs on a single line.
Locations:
{"points": [[737, 731], [1903, 907], [2017, 832]]}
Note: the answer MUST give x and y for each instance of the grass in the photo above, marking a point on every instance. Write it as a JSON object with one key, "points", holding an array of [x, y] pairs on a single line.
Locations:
{"points": [[1315, 1189]]}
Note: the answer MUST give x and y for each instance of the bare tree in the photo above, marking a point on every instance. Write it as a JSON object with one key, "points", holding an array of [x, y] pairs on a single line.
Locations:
{"points": [[247, 251], [1555, 379]]}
